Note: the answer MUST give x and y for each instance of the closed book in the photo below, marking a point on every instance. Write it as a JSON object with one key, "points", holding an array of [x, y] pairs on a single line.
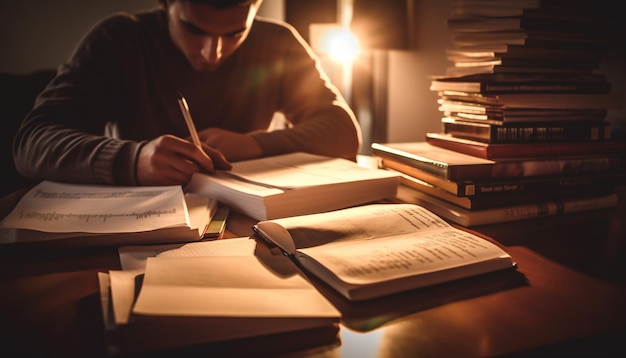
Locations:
{"points": [[469, 218], [522, 150], [528, 83], [455, 166], [546, 101], [527, 132], [514, 185], [435, 160], [586, 20], [530, 38], [294, 184], [458, 71], [488, 114], [508, 198]]}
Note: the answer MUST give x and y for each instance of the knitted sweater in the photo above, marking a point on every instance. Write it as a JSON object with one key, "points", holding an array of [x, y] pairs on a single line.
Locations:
{"points": [[119, 90]]}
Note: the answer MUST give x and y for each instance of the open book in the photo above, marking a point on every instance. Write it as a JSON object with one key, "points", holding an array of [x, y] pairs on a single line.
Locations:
{"points": [[63, 214], [380, 249], [204, 292], [295, 184]]}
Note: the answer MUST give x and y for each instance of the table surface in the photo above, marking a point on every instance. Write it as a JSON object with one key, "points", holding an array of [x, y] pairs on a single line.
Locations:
{"points": [[567, 297]]}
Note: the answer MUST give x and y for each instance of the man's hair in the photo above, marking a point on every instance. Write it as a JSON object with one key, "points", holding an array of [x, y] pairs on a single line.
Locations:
{"points": [[218, 4]]}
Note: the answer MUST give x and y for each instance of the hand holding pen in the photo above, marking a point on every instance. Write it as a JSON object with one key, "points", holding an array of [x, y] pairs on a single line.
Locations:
{"points": [[215, 155], [170, 160]]}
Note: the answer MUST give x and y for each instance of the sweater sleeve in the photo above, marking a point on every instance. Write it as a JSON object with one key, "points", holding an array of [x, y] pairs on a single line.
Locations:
{"points": [[321, 122], [63, 137]]}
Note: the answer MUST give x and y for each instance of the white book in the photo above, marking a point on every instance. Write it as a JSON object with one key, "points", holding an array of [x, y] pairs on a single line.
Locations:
{"points": [[375, 250], [295, 184]]}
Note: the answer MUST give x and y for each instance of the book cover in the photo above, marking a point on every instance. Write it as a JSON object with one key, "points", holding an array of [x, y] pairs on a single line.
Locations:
{"points": [[457, 166], [522, 150], [435, 160]]}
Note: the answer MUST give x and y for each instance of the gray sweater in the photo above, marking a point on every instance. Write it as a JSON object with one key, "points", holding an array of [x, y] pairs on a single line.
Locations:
{"points": [[119, 89]]}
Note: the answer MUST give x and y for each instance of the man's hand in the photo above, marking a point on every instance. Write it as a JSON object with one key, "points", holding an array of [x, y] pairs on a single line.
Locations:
{"points": [[169, 160], [234, 146]]}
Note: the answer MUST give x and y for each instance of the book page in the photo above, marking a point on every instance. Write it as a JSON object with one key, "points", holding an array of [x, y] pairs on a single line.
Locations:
{"points": [[384, 259], [302, 169], [58, 207], [133, 259], [358, 223], [229, 286]]}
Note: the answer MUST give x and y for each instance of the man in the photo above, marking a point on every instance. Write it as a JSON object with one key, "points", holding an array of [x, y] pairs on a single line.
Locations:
{"points": [[111, 114]]}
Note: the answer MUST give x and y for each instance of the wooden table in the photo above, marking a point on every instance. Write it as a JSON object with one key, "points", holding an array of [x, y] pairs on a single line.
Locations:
{"points": [[568, 297]]}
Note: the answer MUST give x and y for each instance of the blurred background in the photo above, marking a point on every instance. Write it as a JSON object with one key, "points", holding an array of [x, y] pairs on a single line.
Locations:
{"points": [[402, 43]]}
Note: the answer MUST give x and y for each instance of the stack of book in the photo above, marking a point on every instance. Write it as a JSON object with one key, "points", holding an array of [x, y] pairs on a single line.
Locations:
{"points": [[523, 116], [526, 72]]}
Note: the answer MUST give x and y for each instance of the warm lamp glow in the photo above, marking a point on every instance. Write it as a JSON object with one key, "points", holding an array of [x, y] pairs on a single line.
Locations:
{"points": [[335, 41]]}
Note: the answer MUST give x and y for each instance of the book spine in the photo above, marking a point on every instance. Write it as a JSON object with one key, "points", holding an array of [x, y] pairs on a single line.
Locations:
{"points": [[545, 87], [528, 134]]}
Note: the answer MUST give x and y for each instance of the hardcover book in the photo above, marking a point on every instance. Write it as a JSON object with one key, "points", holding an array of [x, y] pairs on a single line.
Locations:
{"points": [[528, 83], [456, 166], [527, 132], [509, 185], [491, 114], [547, 100], [468, 218], [508, 198]]}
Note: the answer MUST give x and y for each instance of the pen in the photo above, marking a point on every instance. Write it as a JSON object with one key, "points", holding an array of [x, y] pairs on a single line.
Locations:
{"points": [[182, 103]]}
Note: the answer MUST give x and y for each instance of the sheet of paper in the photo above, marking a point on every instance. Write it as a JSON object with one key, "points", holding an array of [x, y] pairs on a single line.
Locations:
{"points": [[229, 286], [122, 289], [302, 169], [58, 207]]}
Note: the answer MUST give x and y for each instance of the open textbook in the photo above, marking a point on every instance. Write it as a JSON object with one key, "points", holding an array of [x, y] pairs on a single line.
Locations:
{"points": [[295, 184], [95, 215], [375, 250]]}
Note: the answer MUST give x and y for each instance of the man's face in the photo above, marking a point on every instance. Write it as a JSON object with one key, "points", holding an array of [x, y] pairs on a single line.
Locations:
{"points": [[205, 35]]}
